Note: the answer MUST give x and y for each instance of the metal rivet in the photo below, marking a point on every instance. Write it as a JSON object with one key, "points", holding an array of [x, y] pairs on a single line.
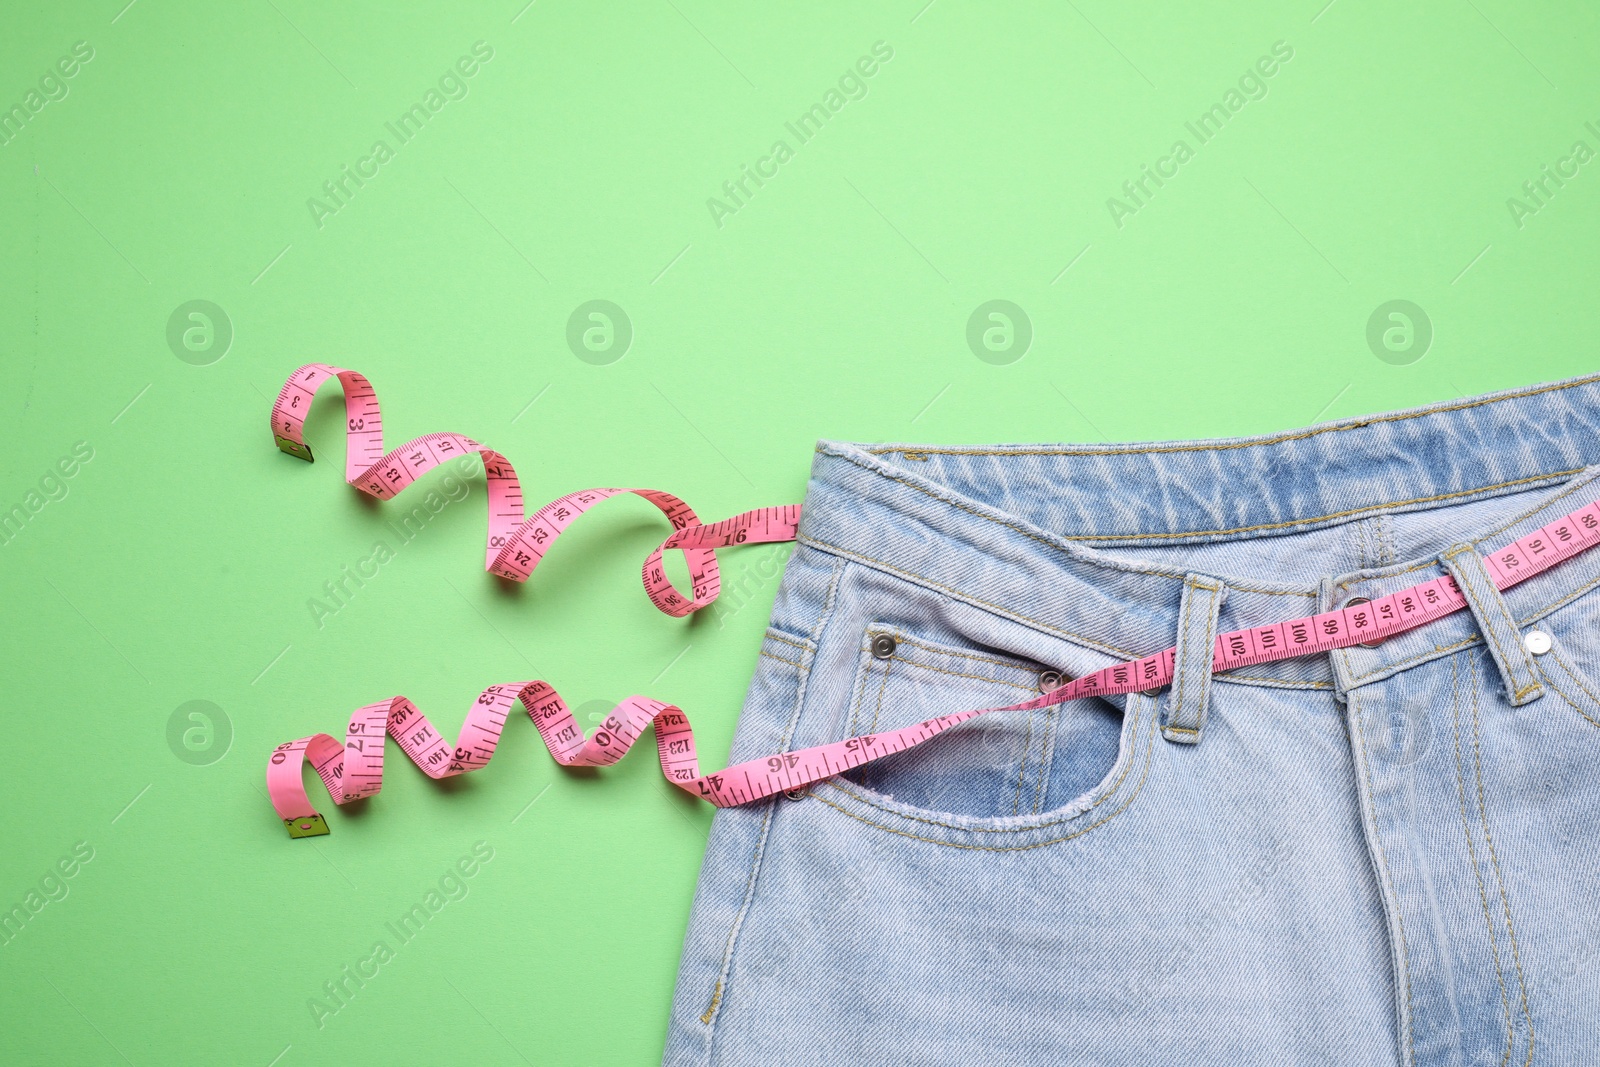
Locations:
{"points": [[796, 794], [883, 646], [1049, 680], [1356, 601], [1538, 642]]}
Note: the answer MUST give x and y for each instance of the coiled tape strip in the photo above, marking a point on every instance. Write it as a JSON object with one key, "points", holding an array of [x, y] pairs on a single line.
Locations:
{"points": [[353, 768]]}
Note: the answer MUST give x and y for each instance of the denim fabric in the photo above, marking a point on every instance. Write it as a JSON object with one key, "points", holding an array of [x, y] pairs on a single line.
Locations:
{"points": [[1383, 855]]}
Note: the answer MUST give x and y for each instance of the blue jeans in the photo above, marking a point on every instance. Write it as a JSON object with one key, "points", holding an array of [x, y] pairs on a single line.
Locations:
{"points": [[1383, 855]]}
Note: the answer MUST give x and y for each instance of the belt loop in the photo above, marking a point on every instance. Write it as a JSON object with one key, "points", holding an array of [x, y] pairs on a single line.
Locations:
{"points": [[1500, 630], [1191, 668]]}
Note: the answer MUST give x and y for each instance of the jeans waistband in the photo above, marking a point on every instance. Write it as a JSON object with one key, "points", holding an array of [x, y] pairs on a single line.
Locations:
{"points": [[1040, 532]]}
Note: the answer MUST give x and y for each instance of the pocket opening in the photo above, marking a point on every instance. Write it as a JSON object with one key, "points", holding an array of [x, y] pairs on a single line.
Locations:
{"points": [[998, 766]]}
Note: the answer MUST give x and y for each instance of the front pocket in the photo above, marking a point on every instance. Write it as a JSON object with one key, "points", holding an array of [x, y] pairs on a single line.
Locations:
{"points": [[999, 765], [1572, 664]]}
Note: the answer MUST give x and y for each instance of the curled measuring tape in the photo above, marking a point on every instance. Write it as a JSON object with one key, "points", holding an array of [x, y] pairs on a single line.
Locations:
{"points": [[354, 769], [515, 544]]}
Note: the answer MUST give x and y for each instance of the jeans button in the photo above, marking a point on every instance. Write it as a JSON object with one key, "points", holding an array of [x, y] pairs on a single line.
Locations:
{"points": [[1049, 680], [883, 646]]}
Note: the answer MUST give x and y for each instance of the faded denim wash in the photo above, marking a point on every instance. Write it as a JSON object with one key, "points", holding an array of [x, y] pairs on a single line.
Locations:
{"points": [[1382, 856]]}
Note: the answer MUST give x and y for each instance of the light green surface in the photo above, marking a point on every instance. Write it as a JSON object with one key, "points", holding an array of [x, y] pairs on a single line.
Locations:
{"points": [[834, 302]]}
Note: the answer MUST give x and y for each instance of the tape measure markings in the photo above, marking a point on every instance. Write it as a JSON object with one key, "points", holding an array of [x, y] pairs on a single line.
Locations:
{"points": [[354, 769]]}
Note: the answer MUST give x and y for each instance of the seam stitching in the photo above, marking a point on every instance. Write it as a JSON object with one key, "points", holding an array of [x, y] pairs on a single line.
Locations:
{"points": [[1022, 774], [941, 651], [709, 1019], [1286, 682], [1472, 857], [1494, 858], [774, 636], [877, 710], [1573, 675], [716, 998], [1047, 756], [957, 674], [1383, 863], [950, 500], [1370, 509], [1027, 620], [866, 670]]}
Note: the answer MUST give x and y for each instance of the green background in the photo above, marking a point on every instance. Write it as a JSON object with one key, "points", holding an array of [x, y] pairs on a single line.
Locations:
{"points": [[834, 302]]}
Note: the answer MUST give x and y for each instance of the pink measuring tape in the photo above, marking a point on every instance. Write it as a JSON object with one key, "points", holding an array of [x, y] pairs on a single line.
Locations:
{"points": [[354, 769]]}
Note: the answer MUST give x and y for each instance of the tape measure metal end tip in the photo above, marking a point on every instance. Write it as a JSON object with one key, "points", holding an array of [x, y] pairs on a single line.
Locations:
{"points": [[307, 826], [293, 448]]}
